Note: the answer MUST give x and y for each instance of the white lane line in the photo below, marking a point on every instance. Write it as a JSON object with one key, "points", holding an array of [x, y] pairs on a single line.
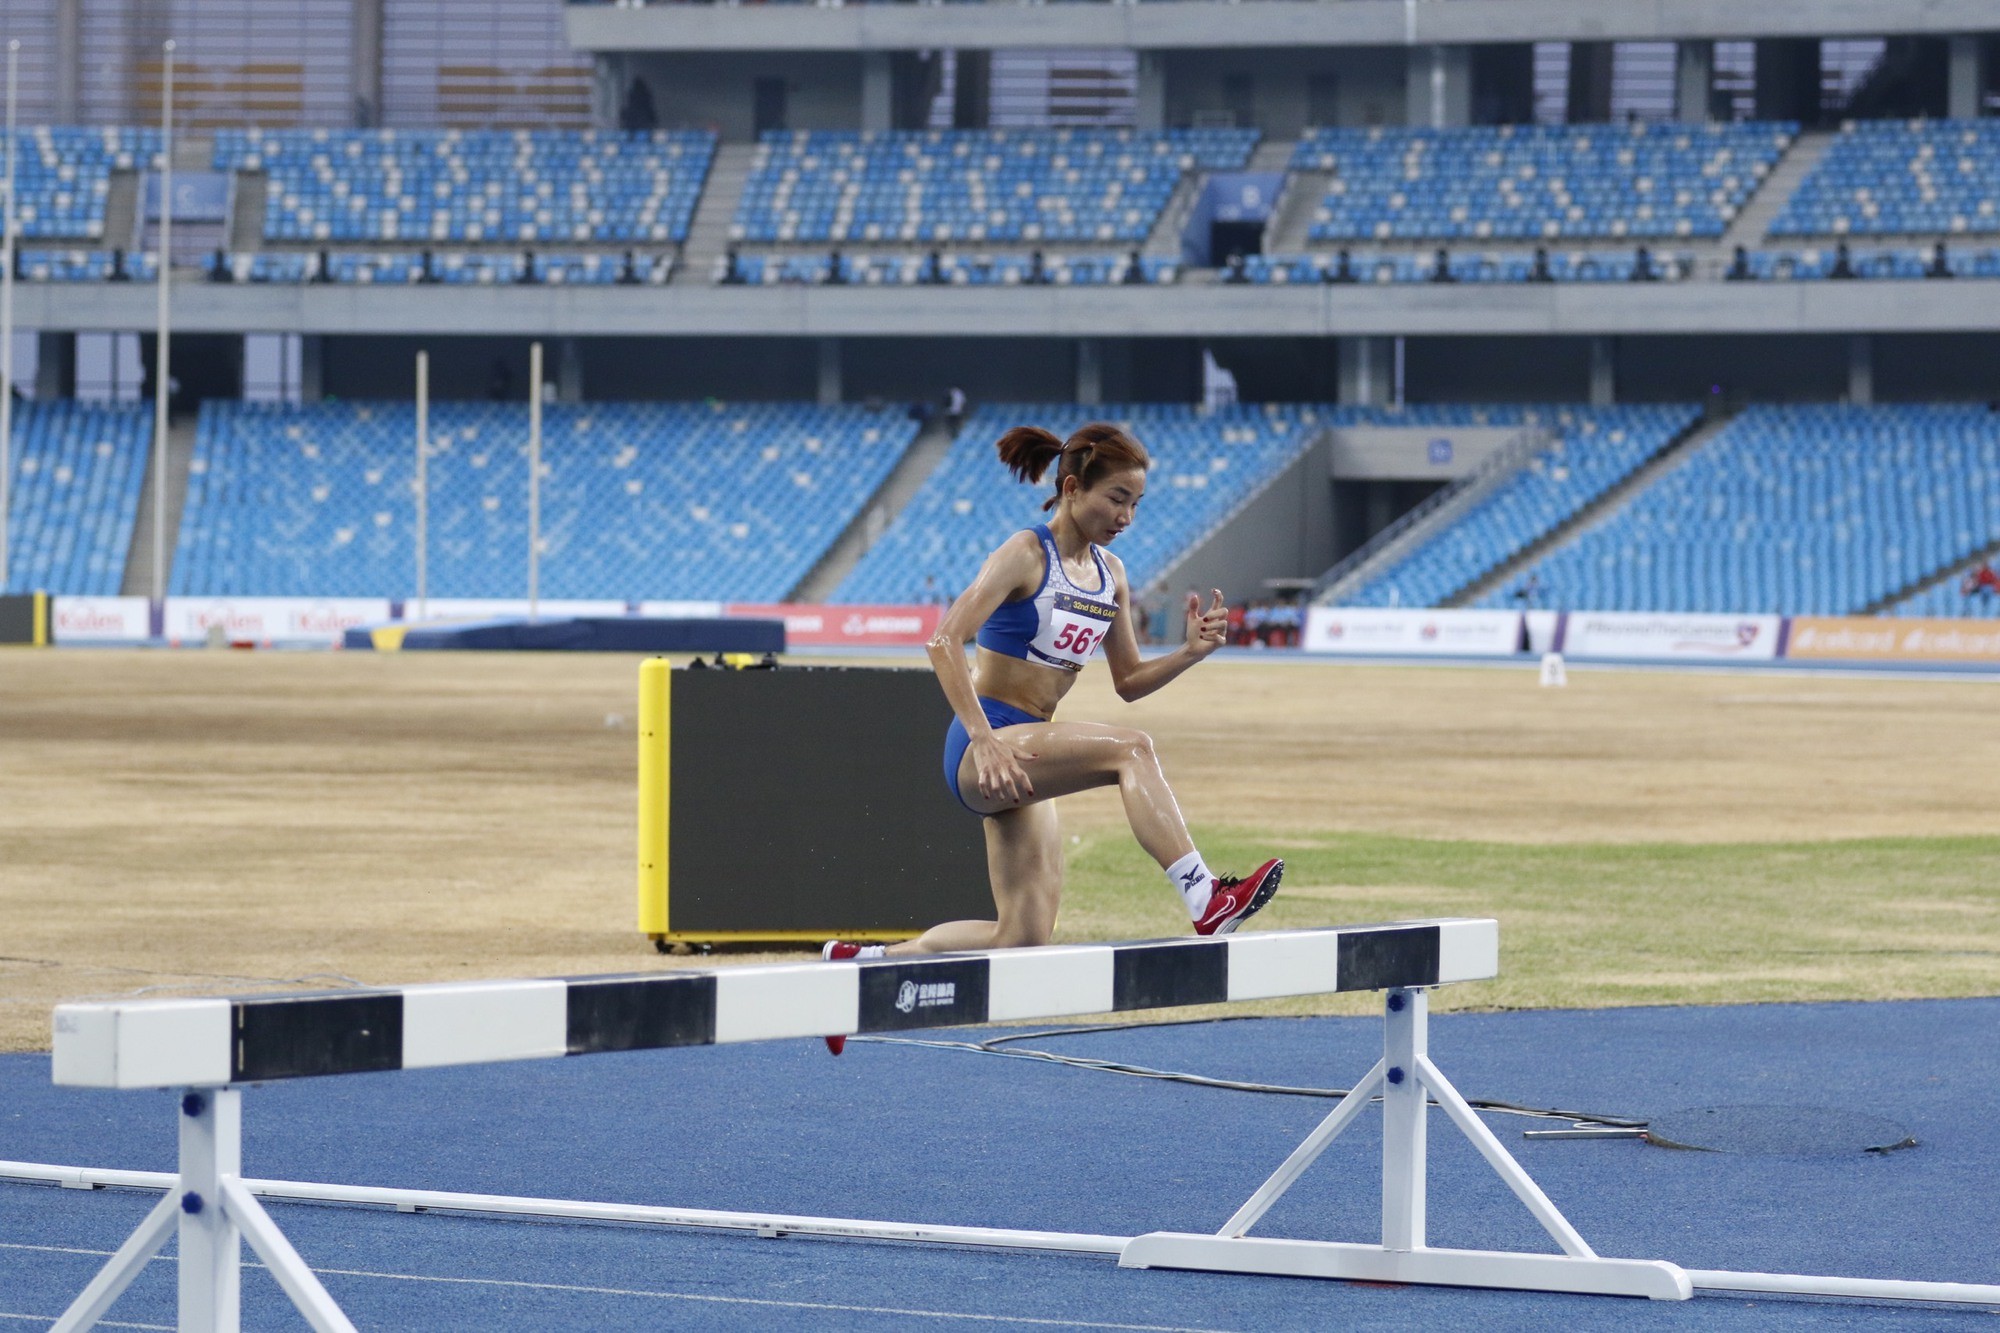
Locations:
{"points": [[664, 1296], [751, 1300], [102, 1323]]}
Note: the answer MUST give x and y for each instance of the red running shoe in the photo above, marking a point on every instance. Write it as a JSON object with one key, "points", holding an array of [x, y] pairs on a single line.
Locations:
{"points": [[840, 951], [1237, 900]]}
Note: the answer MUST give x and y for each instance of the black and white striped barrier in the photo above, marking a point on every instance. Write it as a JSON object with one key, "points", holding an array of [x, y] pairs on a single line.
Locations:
{"points": [[209, 1047]]}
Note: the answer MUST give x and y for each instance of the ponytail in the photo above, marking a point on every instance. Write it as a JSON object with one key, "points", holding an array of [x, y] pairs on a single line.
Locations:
{"points": [[1094, 452]]}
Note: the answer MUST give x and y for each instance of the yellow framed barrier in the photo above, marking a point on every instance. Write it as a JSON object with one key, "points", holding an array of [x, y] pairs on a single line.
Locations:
{"points": [[809, 804], [24, 620]]}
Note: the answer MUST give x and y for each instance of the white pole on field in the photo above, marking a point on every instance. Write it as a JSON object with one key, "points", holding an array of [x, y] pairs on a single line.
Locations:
{"points": [[7, 332], [534, 477], [161, 334], [423, 481]]}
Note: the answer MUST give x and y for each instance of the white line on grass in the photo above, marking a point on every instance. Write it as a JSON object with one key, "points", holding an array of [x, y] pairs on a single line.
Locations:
{"points": [[658, 1296]]}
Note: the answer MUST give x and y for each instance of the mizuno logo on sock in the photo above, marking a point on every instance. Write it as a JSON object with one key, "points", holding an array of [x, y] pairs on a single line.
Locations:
{"points": [[1192, 878]]}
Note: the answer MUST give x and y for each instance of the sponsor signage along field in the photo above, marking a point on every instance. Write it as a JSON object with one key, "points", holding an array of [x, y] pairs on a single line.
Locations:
{"points": [[100, 620], [1649, 634], [1887, 639], [810, 625], [1339, 629], [272, 619], [508, 608]]}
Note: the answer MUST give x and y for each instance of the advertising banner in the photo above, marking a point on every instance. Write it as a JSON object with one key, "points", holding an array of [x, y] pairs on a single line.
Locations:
{"points": [[100, 620], [1351, 629], [682, 610], [508, 608], [824, 626], [1670, 634], [1887, 639], [271, 619]]}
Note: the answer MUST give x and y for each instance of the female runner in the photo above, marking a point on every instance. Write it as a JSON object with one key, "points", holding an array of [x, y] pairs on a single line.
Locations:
{"points": [[1041, 606]]}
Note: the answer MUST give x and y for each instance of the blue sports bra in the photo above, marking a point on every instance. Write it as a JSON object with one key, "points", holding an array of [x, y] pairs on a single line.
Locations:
{"points": [[1061, 625]]}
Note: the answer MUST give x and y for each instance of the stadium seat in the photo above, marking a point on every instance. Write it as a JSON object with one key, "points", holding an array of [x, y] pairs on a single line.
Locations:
{"points": [[78, 469], [1537, 182], [959, 186], [1806, 510], [639, 500], [1592, 450], [445, 186], [1901, 178]]}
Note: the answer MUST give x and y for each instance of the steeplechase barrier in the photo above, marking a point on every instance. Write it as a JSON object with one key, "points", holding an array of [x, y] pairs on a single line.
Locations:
{"points": [[209, 1048]]}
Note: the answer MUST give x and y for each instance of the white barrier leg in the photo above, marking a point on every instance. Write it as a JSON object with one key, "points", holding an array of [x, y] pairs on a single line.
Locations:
{"points": [[1404, 1076], [211, 1279]]}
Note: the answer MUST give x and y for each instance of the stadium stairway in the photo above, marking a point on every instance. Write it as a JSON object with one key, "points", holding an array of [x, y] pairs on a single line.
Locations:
{"points": [[1921, 591], [1164, 240], [708, 230], [121, 209], [1440, 511], [138, 581], [246, 215], [1292, 215], [1752, 224], [1676, 451], [926, 451]]}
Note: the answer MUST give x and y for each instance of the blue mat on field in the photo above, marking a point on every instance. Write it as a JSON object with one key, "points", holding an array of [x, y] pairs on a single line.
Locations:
{"points": [[903, 1132]]}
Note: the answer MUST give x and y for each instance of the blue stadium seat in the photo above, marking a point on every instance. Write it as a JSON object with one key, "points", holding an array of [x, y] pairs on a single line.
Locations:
{"points": [[1592, 450], [62, 176], [1805, 510], [1537, 182], [443, 186], [1203, 467], [1901, 178], [960, 186], [639, 500], [78, 469]]}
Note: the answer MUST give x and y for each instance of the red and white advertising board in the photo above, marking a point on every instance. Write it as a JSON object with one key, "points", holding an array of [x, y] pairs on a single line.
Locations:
{"points": [[1363, 630], [99, 619], [271, 619], [826, 626], [1671, 634]]}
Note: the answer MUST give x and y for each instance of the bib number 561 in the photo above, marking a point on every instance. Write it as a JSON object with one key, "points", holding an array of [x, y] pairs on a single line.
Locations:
{"points": [[1076, 639]]}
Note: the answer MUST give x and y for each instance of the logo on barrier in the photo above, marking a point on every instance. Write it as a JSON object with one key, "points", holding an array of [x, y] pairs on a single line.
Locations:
{"points": [[911, 997]]}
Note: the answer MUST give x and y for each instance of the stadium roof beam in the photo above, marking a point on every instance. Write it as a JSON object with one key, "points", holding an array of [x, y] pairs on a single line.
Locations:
{"points": [[1209, 24], [1873, 306]]}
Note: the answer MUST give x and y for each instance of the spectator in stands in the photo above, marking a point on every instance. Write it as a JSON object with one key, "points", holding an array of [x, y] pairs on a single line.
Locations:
{"points": [[932, 272], [1739, 266], [1343, 267], [836, 270], [1540, 272], [1037, 273], [638, 112], [1529, 592], [1238, 634], [218, 266], [954, 407], [933, 594], [1233, 270], [1843, 262], [500, 383], [1940, 265], [1642, 266], [1135, 270], [527, 273], [1981, 582], [1441, 266], [322, 268], [732, 270], [628, 272], [118, 273], [427, 271]]}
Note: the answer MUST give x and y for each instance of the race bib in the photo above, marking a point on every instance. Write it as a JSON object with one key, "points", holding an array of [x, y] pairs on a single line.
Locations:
{"points": [[1076, 626]]}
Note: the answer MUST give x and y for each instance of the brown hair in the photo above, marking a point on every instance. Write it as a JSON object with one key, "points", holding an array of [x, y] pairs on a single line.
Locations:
{"points": [[1092, 454]]}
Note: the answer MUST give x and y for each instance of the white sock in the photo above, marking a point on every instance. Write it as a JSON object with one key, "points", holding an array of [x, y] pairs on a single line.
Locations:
{"points": [[1191, 879], [872, 951]]}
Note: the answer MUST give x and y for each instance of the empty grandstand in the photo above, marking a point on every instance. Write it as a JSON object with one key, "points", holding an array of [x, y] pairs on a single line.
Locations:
{"points": [[457, 186], [971, 186], [77, 475], [639, 501], [1204, 465], [1807, 510], [1588, 451], [1528, 182]]}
